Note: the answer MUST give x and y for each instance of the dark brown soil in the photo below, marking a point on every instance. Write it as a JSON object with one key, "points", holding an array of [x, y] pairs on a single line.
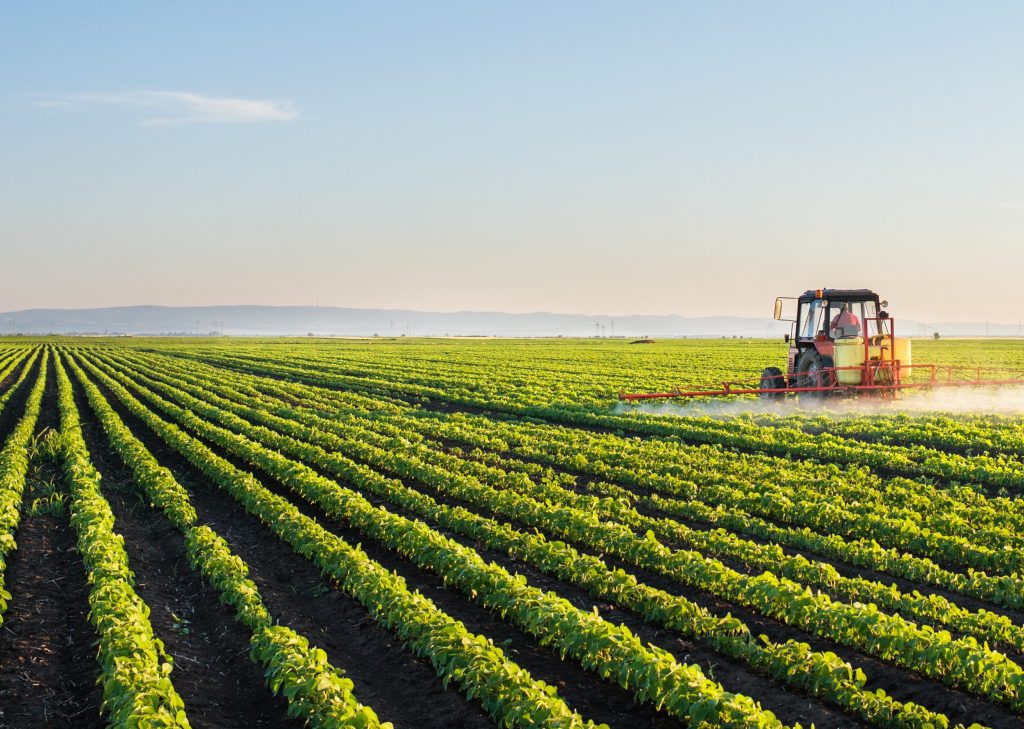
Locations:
{"points": [[48, 663]]}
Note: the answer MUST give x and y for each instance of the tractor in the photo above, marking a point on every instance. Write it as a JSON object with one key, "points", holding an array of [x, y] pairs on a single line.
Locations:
{"points": [[838, 338], [842, 342]]}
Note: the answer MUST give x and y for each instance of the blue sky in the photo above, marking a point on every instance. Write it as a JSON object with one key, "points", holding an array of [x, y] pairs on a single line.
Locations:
{"points": [[688, 158]]}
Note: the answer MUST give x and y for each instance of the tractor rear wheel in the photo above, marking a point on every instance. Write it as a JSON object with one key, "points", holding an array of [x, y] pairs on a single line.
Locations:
{"points": [[810, 369], [772, 379]]}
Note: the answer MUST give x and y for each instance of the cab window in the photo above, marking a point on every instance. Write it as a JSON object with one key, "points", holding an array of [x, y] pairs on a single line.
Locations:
{"points": [[853, 323], [812, 318]]}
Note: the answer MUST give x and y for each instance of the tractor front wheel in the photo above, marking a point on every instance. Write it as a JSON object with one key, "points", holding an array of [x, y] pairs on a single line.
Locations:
{"points": [[772, 379], [811, 372]]}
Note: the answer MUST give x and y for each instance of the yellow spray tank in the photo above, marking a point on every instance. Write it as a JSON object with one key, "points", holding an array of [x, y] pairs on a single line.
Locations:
{"points": [[903, 354], [849, 352]]}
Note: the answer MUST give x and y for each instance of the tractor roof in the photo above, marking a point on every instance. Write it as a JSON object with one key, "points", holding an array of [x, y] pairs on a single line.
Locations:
{"points": [[841, 294]]}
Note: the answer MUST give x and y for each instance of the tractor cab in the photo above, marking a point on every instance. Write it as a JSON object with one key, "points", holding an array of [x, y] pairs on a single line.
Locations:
{"points": [[819, 319]]}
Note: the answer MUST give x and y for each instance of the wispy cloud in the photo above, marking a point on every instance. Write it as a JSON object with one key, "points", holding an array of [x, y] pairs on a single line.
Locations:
{"points": [[178, 107]]}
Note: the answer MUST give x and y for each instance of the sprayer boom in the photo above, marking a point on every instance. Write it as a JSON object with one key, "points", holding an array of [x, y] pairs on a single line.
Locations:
{"points": [[842, 342], [937, 376]]}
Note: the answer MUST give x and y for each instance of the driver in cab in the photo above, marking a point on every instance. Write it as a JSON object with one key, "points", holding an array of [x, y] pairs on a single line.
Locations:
{"points": [[845, 323]]}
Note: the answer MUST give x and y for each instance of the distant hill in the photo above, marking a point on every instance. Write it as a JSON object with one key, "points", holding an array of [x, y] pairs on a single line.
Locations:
{"points": [[337, 321]]}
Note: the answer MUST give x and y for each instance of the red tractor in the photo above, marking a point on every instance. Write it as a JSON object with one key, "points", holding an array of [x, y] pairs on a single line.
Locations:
{"points": [[845, 324], [842, 342]]}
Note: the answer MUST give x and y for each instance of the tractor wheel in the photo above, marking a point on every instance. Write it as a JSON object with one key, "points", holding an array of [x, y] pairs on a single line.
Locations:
{"points": [[771, 379], [810, 373]]}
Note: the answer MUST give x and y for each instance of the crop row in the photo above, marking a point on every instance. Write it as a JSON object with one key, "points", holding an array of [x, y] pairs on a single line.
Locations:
{"points": [[14, 459], [961, 662], [906, 460], [982, 521], [792, 662], [315, 689], [487, 393], [611, 650], [135, 669], [970, 532], [590, 452], [535, 442], [969, 435], [915, 457], [9, 361], [808, 505], [984, 625], [472, 662]]}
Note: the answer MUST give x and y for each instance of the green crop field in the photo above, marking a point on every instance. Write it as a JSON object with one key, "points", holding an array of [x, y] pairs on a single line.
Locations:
{"points": [[470, 533]]}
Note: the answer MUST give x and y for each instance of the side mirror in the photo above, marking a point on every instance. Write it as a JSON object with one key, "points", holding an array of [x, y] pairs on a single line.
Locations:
{"points": [[785, 338], [778, 308]]}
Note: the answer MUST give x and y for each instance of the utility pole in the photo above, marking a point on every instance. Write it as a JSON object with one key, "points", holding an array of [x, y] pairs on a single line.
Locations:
{"points": [[597, 329], [613, 329]]}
